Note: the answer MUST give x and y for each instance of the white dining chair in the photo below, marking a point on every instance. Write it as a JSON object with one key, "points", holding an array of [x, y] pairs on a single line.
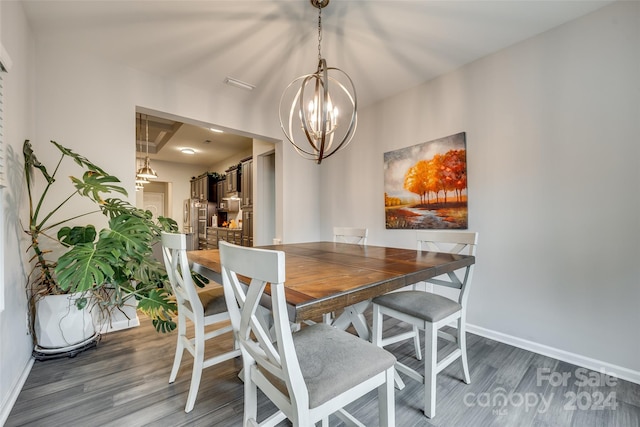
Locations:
{"points": [[202, 308], [309, 374], [357, 236], [430, 312], [350, 235]]}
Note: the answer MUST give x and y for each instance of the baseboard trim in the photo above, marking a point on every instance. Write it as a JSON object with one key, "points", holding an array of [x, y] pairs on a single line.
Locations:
{"points": [[7, 405], [119, 325], [118, 319], [573, 358]]}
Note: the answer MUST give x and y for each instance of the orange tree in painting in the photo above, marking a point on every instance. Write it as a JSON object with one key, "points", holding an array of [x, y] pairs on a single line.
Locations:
{"points": [[417, 181], [442, 174], [454, 170]]}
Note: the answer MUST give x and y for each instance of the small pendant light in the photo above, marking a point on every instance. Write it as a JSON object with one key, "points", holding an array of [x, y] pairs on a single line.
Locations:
{"points": [[146, 171]]}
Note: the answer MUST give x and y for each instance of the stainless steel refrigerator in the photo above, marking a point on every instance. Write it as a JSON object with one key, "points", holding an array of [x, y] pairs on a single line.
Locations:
{"points": [[190, 222], [197, 214]]}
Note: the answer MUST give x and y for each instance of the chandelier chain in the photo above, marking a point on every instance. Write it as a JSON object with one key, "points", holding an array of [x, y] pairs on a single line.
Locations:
{"points": [[319, 32], [147, 136]]}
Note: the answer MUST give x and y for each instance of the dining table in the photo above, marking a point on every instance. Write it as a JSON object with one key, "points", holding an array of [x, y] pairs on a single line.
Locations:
{"points": [[331, 277]]}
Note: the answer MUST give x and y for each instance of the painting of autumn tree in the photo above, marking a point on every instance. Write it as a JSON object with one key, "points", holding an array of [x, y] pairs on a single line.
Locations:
{"points": [[425, 185]]}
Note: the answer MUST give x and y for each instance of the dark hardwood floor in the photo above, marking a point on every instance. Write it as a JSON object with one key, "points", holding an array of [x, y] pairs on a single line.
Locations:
{"points": [[124, 382]]}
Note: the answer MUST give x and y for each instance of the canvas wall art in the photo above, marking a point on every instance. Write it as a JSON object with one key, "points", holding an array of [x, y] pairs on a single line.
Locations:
{"points": [[425, 185]]}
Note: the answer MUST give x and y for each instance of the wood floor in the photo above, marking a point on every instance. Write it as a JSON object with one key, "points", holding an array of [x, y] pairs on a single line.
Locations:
{"points": [[124, 382]]}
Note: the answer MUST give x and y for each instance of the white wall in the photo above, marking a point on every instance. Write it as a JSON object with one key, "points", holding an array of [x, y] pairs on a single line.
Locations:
{"points": [[554, 182], [264, 194], [15, 343]]}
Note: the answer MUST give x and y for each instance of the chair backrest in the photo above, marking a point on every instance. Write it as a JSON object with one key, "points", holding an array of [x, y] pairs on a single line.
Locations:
{"points": [[350, 235], [453, 242], [264, 358], [174, 253]]}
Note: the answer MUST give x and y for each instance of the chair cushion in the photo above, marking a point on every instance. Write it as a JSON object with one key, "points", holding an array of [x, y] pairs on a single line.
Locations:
{"points": [[422, 305], [212, 300], [332, 361]]}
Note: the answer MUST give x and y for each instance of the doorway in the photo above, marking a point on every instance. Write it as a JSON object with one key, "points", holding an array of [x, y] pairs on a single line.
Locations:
{"points": [[155, 198], [216, 149]]}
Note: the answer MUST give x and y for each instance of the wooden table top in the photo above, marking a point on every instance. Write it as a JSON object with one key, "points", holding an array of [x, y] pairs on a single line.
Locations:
{"points": [[322, 277]]}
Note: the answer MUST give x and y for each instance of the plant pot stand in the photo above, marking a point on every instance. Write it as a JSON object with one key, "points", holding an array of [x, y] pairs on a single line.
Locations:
{"points": [[41, 353]]}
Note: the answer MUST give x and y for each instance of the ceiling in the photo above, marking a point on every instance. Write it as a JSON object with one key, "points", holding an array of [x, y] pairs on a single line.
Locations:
{"points": [[167, 138], [385, 46]]}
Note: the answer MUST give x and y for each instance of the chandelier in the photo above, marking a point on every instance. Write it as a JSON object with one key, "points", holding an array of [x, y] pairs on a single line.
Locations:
{"points": [[146, 171], [322, 118]]}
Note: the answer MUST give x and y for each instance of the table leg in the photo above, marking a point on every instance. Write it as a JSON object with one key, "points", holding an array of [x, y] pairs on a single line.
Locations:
{"points": [[354, 315]]}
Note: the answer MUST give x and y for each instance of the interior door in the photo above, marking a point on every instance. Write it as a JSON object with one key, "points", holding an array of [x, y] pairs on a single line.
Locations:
{"points": [[154, 202]]}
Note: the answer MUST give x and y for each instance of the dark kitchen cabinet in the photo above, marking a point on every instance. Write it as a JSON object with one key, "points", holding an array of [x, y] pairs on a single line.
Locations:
{"points": [[233, 184], [246, 203], [220, 190], [246, 179], [247, 227], [230, 235], [194, 188], [204, 187], [212, 238]]}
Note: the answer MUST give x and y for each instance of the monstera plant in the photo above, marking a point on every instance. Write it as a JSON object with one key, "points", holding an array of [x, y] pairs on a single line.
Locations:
{"points": [[105, 268]]}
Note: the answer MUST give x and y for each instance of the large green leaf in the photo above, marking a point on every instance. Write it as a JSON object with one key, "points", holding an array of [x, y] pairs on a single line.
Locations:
{"points": [[113, 207], [168, 224], [199, 280], [31, 161], [161, 307], [79, 159], [73, 236], [93, 183], [149, 272], [157, 301], [87, 266], [132, 232], [163, 325]]}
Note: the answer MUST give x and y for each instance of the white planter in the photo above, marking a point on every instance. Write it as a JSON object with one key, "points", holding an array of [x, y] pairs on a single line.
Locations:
{"points": [[59, 324], [118, 318]]}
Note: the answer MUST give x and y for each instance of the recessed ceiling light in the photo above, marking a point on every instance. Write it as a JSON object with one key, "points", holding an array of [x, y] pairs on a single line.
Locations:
{"points": [[188, 151], [216, 130]]}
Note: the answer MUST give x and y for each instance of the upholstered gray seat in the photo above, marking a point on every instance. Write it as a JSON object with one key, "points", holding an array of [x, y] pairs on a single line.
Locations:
{"points": [[423, 305], [213, 301], [334, 361]]}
